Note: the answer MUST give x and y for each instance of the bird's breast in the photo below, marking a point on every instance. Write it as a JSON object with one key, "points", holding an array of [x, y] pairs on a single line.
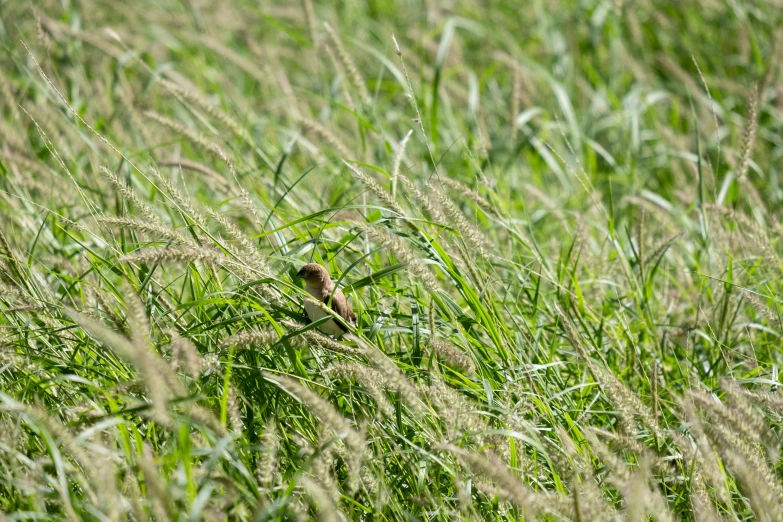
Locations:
{"points": [[315, 312]]}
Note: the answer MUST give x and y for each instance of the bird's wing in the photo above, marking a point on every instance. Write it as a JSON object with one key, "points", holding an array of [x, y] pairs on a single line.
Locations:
{"points": [[342, 307]]}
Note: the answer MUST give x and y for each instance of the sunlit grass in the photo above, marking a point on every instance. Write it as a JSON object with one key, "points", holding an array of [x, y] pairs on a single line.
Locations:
{"points": [[557, 225]]}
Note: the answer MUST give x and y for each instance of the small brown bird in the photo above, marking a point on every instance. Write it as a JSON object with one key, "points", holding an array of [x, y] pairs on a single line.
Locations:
{"points": [[319, 284]]}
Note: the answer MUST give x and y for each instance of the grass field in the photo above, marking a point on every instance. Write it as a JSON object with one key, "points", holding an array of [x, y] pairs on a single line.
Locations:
{"points": [[557, 221]]}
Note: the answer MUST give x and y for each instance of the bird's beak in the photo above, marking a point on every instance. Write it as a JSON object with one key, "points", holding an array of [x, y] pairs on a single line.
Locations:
{"points": [[299, 275]]}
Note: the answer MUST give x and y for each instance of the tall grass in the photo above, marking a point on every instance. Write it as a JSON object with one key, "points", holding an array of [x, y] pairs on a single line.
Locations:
{"points": [[558, 226]]}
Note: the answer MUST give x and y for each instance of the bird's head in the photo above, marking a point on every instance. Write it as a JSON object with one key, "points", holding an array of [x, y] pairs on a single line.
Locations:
{"points": [[314, 274]]}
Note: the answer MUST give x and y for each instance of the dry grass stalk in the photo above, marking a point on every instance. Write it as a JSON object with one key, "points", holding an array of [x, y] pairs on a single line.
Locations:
{"points": [[748, 419], [130, 196], [710, 468], [452, 354], [765, 505], [468, 263], [309, 14], [748, 135], [160, 380], [246, 250], [748, 142], [628, 404], [322, 409], [265, 472], [43, 179], [197, 139], [473, 237], [343, 83], [196, 253], [516, 102], [660, 250], [157, 492], [278, 72], [316, 339], [9, 259], [772, 401], [148, 227], [10, 357], [456, 412], [132, 493], [728, 432], [393, 375], [203, 169], [182, 201], [745, 426], [216, 112], [141, 357], [36, 415], [331, 418], [182, 255], [321, 500], [760, 481], [412, 96], [435, 213], [512, 489], [485, 139], [643, 501], [703, 508], [252, 337], [402, 252], [761, 307], [588, 500], [373, 186], [372, 380], [136, 119], [186, 356], [310, 125], [753, 235], [640, 499], [468, 193], [8, 99], [238, 60], [234, 412], [347, 63], [398, 162], [322, 466]]}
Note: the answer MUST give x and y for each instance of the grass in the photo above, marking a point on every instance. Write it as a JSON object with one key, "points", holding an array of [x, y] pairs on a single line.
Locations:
{"points": [[558, 225]]}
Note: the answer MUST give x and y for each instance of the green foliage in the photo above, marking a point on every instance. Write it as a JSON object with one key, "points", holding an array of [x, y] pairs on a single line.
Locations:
{"points": [[557, 223]]}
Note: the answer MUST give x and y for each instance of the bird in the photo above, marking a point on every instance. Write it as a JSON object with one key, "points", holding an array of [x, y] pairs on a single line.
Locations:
{"points": [[319, 284]]}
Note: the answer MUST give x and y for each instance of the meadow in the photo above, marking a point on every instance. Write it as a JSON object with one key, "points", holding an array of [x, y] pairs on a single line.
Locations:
{"points": [[557, 221]]}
